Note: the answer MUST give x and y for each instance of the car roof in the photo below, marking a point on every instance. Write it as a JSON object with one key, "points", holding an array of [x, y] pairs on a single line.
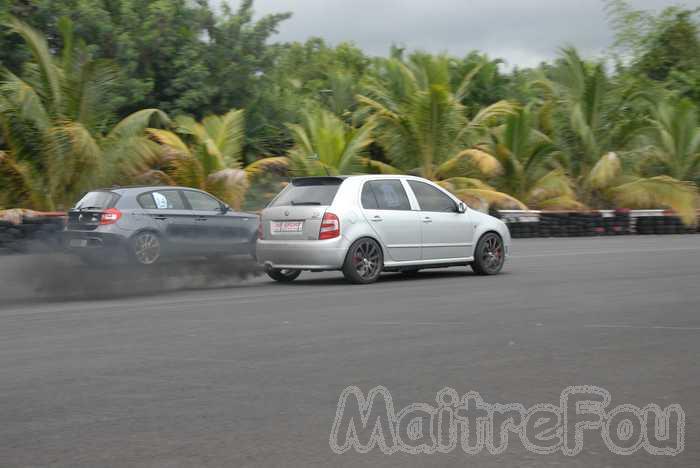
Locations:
{"points": [[362, 176], [142, 188]]}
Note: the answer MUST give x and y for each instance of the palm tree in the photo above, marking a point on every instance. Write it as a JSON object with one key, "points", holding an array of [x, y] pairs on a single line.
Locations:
{"points": [[324, 145], [207, 155], [524, 162], [57, 133], [424, 128], [674, 139], [596, 123]]}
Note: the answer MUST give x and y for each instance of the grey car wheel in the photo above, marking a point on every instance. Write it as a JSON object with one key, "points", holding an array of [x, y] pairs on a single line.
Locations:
{"points": [[145, 248], [283, 275], [364, 262], [489, 255]]}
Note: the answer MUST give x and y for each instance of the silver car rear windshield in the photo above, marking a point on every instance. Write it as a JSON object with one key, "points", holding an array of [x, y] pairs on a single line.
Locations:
{"points": [[309, 191]]}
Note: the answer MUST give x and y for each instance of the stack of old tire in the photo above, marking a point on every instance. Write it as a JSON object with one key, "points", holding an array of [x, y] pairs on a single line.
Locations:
{"points": [[8, 234], [559, 224], [24, 231], [618, 224], [595, 223], [666, 223]]}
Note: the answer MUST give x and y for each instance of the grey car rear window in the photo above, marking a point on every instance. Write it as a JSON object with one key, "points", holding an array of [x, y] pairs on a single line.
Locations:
{"points": [[97, 200], [320, 191]]}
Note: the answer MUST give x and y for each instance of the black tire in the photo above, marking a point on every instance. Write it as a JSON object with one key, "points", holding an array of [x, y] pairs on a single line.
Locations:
{"points": [[489, 255], [283, 275], [363, 262], [145, 248]]}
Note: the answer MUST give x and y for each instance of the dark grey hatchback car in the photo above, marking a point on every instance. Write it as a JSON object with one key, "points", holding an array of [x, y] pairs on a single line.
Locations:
{"points": [[145, 224]]}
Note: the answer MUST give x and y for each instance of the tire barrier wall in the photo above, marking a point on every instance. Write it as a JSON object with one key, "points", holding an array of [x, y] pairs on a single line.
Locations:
{"points": [[25, 231], [524, 224]]}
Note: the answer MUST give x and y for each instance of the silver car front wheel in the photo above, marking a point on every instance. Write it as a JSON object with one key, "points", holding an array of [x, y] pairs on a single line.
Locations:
{"points": [[489, 255]]}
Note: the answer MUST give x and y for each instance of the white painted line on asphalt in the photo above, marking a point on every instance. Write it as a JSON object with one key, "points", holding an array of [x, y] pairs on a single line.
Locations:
{"points": [[370, 322], [639, 327]]}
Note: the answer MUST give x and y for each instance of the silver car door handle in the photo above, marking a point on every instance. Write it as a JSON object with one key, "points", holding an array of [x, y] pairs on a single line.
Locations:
{"points": [[161, 218], [427, 219], [376, 219]]}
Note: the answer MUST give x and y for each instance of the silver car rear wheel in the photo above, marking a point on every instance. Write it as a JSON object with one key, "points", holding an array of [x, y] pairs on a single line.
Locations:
{"points": [[364, 262]]}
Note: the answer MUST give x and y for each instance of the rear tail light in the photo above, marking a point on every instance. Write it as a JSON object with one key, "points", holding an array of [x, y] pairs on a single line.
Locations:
{"points": [[110, 216], [330, 227]]}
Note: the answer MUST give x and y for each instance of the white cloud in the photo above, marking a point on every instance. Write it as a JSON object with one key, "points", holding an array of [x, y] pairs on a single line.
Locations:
{"points": [[523, 32]]}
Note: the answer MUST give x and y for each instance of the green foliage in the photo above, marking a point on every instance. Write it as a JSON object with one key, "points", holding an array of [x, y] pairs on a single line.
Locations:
{"points": [[56, 125], [325, 145], [206, 155], [674, 140], [664, 47], [421, 121], [87, 88], [175, 55]]}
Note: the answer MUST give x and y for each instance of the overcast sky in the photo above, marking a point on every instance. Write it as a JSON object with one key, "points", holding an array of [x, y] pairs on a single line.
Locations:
{"points": [[523, 32]]}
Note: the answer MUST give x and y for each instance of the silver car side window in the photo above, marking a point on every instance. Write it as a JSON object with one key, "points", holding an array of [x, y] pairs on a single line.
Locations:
{"points": [[369, 199], [390, 195], [431, 199]]}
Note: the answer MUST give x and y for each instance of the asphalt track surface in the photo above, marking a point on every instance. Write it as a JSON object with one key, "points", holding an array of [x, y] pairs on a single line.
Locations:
{"points": [[249, 373]]}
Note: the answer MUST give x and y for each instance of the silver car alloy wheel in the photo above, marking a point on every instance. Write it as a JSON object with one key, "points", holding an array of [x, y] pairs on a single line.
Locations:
{"points": [[366, 259], [492, 253]]}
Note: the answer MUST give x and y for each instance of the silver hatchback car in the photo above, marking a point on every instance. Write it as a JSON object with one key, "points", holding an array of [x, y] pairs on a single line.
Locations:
{"points": [[363, 225]]}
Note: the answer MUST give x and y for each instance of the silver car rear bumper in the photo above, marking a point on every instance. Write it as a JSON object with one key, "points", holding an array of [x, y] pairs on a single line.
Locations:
{"points": [[302, 254]]}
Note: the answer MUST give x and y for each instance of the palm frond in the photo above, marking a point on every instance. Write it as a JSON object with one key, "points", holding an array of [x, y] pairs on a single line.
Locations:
{"points": [[136, 123], [561, 203], [659, 192], [469, 162], [278, 165], [377, 167], [553, 185], [227, 134], [491, 198], [230, 185], [604, 171], [454, 184], [18, 188], [168, 138], [486, 116], [50, 77]]}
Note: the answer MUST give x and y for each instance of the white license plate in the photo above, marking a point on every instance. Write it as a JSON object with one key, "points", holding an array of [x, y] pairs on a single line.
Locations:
{"points": [[78, 242], [284, 227]]}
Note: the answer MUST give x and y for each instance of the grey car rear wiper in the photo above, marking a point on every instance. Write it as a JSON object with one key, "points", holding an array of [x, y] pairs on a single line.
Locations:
{"points": [[305, 203]]}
